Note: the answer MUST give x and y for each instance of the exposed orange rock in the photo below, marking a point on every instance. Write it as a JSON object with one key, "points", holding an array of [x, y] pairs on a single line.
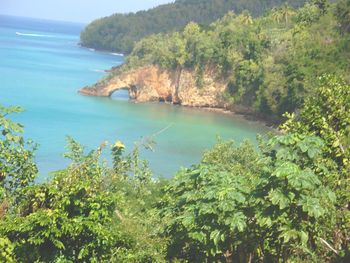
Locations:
{"points": [[151, 83]]}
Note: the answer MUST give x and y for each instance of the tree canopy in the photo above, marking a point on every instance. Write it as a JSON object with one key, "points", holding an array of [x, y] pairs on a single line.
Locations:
{"points": [[119, 32], [271, 63]]}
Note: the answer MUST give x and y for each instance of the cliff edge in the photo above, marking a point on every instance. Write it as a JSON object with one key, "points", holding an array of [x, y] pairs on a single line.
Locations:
{"points": [[151, 83]]}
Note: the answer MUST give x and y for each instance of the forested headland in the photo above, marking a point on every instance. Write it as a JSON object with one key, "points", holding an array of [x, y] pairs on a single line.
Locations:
{"points": [[119, 32], [270, 63], [286, 200]]}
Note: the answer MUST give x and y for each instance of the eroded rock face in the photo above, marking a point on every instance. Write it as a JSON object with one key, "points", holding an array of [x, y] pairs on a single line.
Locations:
{"points": [[151, 83]]}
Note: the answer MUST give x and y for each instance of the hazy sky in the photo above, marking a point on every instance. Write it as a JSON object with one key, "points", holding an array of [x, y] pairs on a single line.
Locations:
{"points": [[74, 10]]}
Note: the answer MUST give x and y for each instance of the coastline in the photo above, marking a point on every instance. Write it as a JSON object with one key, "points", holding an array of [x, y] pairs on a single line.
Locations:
{"points": [[102, 51], [151, 83], [248, 115], [245, 113]]}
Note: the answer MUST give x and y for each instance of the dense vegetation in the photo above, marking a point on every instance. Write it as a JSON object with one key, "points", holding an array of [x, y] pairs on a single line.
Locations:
{"points": [[119, 32], [270, 63], [287, 201]]}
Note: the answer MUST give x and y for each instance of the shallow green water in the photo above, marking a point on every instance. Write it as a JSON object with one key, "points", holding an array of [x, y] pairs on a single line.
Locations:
{"points": [[41, 69]]}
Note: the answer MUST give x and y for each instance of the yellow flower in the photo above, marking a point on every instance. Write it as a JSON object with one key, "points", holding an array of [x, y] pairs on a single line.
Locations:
{"points": [[119, 145]]}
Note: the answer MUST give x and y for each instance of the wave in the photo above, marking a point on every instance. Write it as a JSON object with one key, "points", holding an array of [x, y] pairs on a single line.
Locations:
{"points": [[117, 54], [31, 35], [98, 70], [91, 49]]}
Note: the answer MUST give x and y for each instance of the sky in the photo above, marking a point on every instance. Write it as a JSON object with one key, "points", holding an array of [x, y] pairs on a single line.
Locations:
{"points": [[83, 11]]}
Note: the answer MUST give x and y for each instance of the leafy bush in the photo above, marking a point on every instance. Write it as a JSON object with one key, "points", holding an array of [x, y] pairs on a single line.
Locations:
{"points": [[239, 204], [17, 167], [87, 212]]}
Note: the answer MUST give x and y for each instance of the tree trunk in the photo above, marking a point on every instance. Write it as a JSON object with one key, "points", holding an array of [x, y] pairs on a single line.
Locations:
{"points": [[228, 256], [176, 99]]}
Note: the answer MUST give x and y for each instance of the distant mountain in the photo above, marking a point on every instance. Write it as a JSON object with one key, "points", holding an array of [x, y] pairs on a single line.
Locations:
{"points": [[119, 32]]}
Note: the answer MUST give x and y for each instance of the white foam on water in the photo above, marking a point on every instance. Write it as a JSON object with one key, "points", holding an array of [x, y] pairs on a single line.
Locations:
{"points": [[117, 54], [31, 35]]}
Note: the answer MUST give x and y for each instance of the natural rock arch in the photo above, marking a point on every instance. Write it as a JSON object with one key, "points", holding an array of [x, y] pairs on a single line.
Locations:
{"points": [[151, 83]]}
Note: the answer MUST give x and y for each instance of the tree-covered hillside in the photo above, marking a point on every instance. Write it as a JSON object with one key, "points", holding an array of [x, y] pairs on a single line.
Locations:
{"points": [[119, 31], [271, 63], [285, 200]]}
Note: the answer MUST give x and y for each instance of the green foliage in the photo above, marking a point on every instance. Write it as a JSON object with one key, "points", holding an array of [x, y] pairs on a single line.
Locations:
{"points": [[322, 5], [17, 167], [327, 114], [206, 207], [286, 201], [239, 204], [308, 14], [6, 248], [87, 212], [283, 14], [296, 208], [119, 32], [117, 151], [342, 13], [270, 63], [67, 217]]}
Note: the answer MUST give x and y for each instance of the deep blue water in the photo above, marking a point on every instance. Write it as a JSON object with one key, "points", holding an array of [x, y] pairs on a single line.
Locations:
{"points": [[42, 67]]}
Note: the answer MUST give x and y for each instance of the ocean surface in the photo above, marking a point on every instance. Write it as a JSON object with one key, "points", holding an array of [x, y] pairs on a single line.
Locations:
{"points": [[42, 67]]}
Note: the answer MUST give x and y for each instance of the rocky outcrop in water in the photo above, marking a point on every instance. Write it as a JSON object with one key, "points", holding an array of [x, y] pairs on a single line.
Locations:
{"points": [[151, 83]]}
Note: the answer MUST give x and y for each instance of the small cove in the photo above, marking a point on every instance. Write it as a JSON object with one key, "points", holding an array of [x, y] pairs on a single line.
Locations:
{"points": [[42, 69]]}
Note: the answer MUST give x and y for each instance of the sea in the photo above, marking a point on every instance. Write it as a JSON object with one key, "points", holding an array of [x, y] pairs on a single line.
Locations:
{"points": [[42, 67]]}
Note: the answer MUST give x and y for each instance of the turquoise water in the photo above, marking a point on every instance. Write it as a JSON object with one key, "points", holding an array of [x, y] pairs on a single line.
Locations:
{"points": [[42, 67]]}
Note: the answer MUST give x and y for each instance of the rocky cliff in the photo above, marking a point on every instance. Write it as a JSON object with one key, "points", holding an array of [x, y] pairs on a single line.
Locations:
{"points": [[151, 83]]}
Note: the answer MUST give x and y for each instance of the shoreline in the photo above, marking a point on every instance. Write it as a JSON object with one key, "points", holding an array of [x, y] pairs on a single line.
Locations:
{"points": [[113, 53], [245, 113], [158, 85]]}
